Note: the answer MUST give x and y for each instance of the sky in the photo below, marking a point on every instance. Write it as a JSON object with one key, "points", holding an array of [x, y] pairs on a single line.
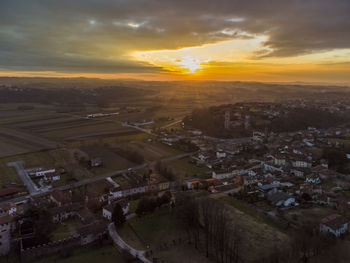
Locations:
{"points": [[247, 40]]}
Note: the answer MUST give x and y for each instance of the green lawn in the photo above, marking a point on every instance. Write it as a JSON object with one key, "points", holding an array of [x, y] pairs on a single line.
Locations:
{"points": [[185, 167], [156, 227], [60, 232], [111, 160]]}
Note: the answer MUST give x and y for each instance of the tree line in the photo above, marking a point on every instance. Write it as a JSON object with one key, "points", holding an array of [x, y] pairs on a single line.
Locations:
{"points": [[211, 229], [209, 226]]}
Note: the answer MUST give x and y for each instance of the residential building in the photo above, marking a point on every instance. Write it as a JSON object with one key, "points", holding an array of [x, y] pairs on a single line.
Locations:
{"points": [[335, 224]]}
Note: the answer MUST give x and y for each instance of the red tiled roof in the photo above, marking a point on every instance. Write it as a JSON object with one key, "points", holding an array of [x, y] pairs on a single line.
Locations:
{"points": [[334, 221]]}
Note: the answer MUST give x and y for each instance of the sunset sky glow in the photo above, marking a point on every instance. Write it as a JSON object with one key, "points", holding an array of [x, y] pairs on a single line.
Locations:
{"points": [[174, 40]]}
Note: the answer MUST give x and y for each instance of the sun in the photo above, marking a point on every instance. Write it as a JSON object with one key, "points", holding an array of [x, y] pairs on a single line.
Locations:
{"points": [[190, 64]]}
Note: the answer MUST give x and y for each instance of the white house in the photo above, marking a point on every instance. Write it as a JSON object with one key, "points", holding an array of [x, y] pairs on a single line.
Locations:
{"points": [[313, 179], [125, 191], [220, 154], [301, 164], [51, 177], [335, 224], [44, 172], [279, 160]]}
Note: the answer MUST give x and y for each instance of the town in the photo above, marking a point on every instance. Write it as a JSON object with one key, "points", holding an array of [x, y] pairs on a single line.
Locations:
{"points": [[290, 180]]}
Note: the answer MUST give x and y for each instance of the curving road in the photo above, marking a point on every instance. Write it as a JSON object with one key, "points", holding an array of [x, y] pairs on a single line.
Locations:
{"points": [[140, 254]]}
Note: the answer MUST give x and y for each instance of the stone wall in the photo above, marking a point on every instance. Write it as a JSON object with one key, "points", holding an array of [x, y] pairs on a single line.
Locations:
{"points": [[39, 251]]}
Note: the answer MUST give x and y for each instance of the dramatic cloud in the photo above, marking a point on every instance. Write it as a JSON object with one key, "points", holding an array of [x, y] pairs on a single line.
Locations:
{"points": [[101, 36]]}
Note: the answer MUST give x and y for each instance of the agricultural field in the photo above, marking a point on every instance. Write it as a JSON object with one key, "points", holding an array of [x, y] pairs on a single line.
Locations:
{"points": [[151, 151], [112, 161], [11, 148], [25, 140], [85, 130], [111, 140]]}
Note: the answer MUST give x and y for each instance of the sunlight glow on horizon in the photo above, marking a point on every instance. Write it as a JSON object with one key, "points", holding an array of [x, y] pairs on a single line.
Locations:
{"points": [[238, 57]]}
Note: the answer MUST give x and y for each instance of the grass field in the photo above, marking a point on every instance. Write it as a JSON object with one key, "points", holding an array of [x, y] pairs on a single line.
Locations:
{"points": [[183, 168], [151, 151], [61, 232], [111, 160], [157, 227], [251, 211], [129, 236]]}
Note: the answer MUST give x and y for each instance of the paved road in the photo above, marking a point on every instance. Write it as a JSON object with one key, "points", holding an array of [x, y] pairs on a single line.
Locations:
{"points": [[93, 179], [31, 187], [139, 128], [140, 254], [119, 172]]}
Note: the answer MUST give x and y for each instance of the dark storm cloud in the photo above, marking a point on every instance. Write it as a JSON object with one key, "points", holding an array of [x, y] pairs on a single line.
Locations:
{"points": [[97, 36]]}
